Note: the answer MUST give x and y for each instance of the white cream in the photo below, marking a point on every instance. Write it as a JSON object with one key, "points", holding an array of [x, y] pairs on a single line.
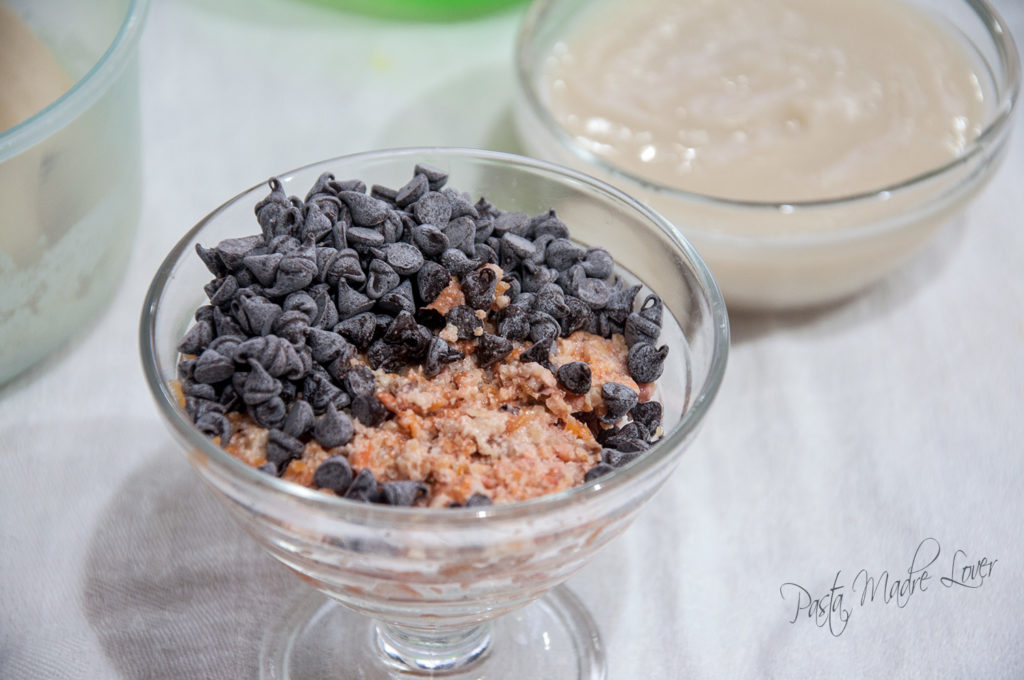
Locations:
{"points": [[766, 100]]}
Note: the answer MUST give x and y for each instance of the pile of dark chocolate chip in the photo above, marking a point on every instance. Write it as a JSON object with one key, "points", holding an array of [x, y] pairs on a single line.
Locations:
{"points": [[348, 272]]}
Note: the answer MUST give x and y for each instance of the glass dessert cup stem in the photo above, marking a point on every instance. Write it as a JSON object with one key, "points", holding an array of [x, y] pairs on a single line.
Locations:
{"points": [[318, 638], [411, 649]]}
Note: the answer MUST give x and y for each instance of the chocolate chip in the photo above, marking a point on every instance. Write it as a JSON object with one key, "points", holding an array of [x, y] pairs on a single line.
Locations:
{"points": [[327, 346], [366, 210], [322, 185], [514, 323], [274, 354], [299, 420], [484, 229], [351, 302], [301, 302], [539, 352], [296, 270], [404, 493], [598, 263], [233, 250], [259, 385], [571, 279], [413, 190], [543, 325], [343, 264], [640, 329], [326, 311], [368, 410], [333, 428], [618, 400], [551, 300], [335, 474], [318, 221], [362, 241], [213, 424], [271, 211], [282, 243], [652, 309], [465, 320], [292, 326], [478, 287], [436, 177], [211, 260], [562, 253], [457, 262], [364, 488], [381, 279], [358, 329], [549, 224], [404, 258], [255, 313], [477, 500], [409, 335], [282, 448], [491, 348], [461, 232], [212, 367], [270, 413], [536, 276], [390, 358], [430, 240], [512, 222], [645, 363], [599, 470], [221, 291], [398, 299], [360, 382], [578, 317], [431, 279], [648, 414], [320, 392], [517, 247], [632, 430], [197, 337], [617, 459], [439, 353], [462, 204], [484, 254], [620, 303], [626, 444], [574, 376], [594, 292], [356, 185], [383, 193], [433, 208]]}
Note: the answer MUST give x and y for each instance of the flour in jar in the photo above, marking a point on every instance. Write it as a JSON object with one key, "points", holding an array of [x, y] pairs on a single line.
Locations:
{"points": [[767, 100]]}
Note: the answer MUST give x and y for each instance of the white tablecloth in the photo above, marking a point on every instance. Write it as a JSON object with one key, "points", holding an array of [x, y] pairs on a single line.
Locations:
{"points": [[842, 440]]}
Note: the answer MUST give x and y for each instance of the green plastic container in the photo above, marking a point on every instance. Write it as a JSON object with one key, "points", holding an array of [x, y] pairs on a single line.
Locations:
{"points": [[420, 10]]}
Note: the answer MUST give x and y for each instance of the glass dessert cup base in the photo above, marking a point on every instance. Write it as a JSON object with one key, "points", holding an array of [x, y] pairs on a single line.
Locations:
{"points": [[317, 638]]}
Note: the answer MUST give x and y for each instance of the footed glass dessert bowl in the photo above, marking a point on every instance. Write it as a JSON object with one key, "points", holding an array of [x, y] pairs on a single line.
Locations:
{"points": [[470, 591]]}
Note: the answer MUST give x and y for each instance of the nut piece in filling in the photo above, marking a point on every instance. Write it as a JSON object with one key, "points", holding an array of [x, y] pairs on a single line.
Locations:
{"points": [[411, 347]]}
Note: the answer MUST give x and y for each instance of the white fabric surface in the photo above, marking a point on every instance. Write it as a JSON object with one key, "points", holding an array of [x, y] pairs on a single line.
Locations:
{"points": [[840, 440]]}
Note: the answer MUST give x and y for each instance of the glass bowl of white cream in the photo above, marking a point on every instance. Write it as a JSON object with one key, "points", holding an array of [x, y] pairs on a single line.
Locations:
{"points": [[807, 148], [70, 166]]}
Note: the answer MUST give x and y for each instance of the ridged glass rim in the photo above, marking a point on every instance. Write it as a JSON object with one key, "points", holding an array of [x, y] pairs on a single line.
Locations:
{"points": [[86, 90], [384, 514], [1007, 92]]}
